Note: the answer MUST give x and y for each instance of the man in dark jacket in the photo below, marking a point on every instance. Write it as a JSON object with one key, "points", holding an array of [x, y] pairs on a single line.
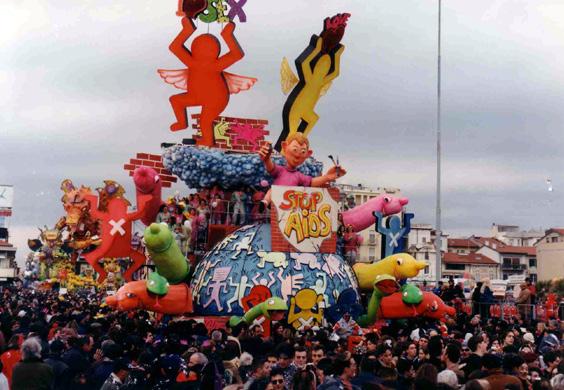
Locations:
{"points": [[77, 358], [32, 373], [60, 368]]}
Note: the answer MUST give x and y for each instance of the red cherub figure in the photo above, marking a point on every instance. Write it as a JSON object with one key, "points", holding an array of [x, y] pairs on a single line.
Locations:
{"points": [[206, 82], [116, 225]]}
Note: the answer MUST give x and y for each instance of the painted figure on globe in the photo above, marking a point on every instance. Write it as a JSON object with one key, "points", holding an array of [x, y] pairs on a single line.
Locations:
{"points": [[206, 82], [302, 314], [317, 66], [296, 150]]}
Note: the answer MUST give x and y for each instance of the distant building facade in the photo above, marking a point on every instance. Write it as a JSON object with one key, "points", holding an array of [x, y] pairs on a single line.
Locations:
{"points": [[512, 235], [470, 266], [550, 254]]}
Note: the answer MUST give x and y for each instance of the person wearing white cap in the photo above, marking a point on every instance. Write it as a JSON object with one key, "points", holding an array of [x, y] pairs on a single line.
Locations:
{"points": [[529, 338], [448, 377]]}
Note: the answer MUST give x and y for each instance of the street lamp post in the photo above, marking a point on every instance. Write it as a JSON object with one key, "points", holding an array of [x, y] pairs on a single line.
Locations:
{"points": [[438, 236]]}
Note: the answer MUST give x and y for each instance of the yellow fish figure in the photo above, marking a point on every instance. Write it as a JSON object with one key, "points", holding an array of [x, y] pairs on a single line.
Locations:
{"points": [[400, 266], [313, 82]]}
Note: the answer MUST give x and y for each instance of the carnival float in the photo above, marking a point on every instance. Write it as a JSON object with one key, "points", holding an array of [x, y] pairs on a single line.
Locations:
{"points": [[284, 264]]}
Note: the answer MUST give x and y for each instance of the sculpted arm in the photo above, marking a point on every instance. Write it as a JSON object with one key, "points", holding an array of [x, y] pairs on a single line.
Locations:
{"points": [[177, 45]]}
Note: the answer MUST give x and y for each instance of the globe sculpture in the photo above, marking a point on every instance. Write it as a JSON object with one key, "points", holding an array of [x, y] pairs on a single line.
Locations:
{"points": [[243, 261]]}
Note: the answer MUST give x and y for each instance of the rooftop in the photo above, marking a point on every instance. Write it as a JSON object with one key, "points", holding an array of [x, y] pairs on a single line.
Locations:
{"points": [[462, 243], [471, 258], [521, 250]]}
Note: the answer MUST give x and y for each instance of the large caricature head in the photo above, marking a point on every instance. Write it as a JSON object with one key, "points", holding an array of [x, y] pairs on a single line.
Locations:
{"points": [[74, 201], [296, 150], [206, 47]]}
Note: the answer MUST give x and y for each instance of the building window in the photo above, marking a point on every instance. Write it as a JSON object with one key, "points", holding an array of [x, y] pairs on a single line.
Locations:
{"points": [[554, 239], [426, 255], [372, 238], [455, 267], [533, 278], [532, 262], [371, 254], [426, 271], [424, 240]]}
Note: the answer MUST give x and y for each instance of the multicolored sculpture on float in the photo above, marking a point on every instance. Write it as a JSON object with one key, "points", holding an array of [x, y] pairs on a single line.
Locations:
{"points": [[317, 66], [48, 247], [166, 290], [244, 262], [110, 209], [82, 230], [389, 299], [206, 82]]}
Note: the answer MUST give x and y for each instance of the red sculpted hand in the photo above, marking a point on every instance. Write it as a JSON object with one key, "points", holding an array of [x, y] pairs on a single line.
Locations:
{"points": [[228, 29]]}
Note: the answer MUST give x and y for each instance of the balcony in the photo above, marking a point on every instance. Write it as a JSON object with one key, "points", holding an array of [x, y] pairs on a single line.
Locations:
{"points": [[513, 267]]}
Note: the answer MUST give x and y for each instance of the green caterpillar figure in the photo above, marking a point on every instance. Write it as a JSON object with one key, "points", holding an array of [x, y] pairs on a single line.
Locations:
{"points": [[263, 308], [170, 263]]}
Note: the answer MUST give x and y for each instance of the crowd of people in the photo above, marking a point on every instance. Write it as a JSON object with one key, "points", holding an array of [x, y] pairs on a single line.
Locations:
{"points": [[74, 341]]}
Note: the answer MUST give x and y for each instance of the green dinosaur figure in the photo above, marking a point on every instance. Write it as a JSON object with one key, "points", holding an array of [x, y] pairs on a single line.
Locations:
{"points": [[157, 284], [263, 308]]}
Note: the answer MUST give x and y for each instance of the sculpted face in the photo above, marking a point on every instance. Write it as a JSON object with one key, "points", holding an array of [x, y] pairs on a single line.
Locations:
{"points": [[127, 297], [295, 153], [393, 205]]}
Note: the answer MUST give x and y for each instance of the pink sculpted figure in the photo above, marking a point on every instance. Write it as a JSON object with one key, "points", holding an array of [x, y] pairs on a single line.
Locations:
{"points": [[362, 217]]}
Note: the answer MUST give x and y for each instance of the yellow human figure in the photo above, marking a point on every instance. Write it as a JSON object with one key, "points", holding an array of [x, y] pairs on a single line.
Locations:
{"points": [[305, 299], [316, 81], [220, 130]]}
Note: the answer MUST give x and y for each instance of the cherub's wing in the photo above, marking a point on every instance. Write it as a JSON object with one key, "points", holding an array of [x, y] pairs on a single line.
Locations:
{"points": [[288, 78], [237, 83], [325, 88], [178, 77]]}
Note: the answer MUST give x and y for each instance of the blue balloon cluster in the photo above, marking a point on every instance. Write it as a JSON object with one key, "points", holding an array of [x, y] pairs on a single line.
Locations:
{"points": [[204, 168]]}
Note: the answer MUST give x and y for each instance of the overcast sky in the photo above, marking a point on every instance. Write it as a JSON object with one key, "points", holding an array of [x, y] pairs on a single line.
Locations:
{"points": [[79, 96]]}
